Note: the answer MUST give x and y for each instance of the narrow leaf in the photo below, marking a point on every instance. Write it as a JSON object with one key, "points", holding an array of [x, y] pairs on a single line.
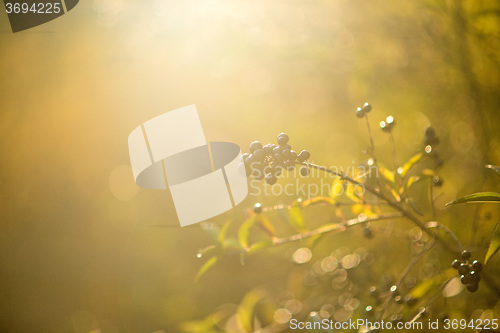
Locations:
{"points": [[223, 232], [267, 226], [246, 310], [389, 176], [206, 266], [318, 200], [478, 198], [244, 231], [296, 219], [494, 243], [410, 164]]}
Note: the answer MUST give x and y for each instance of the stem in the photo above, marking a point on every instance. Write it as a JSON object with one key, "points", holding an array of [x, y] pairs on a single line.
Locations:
{"points": [[405, 273], [379, 194], [371, 138], [394, 154], [334, 227]]}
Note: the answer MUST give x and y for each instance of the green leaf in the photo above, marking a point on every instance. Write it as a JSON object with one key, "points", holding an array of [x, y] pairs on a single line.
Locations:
{"points": [[410, 164], [296, 219], [494, 244], [389, 176], [246, 310], [267, 226], [244, 231], [477, 198], [206, 266], [494, 168], [223, 232], [259, 246]]}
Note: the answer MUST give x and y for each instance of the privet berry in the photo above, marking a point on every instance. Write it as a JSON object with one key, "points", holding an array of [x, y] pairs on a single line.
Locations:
{"points": [[367, 108], [388, 124], [360, 113], [257, 208], [437, 181], [283, 139], [455, 264], [466, 254], [477, 266], [269, 160], [303, 156], [271, 179], [254, 146], [304, 171]]}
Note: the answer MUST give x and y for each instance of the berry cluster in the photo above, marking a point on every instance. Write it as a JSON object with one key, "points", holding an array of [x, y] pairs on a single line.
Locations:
{"points": [[269, 161], [469, 271], [360, 112]]}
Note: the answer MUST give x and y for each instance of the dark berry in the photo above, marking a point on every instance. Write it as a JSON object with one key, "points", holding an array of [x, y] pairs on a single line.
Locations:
{"points": [[257, 208], [465, 254], [254, 146], [283, 139], [430, 132], [465, 279], [478, 267], [289, 165], [463, 269], [278, 158], [437, 181], [285, 147], [472, 287], [286, 153], [387, 125], [367, 108], [475, 276], [304, 155], [293, 156], [277, 150], [271, 179], [259, 154], [455, 264], [304, 171], [268, 149], [360, 113]]}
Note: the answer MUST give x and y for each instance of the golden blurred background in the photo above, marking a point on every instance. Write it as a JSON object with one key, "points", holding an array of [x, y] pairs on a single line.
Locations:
{"points": [[82, 249]]}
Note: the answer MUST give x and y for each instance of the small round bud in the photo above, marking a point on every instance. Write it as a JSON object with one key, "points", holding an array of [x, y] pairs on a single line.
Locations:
{"points": [[257, 208], [283, 139], [254, 146], [360, 113], [437, 181], [304, 171], [367, 108], [466, 255]]}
